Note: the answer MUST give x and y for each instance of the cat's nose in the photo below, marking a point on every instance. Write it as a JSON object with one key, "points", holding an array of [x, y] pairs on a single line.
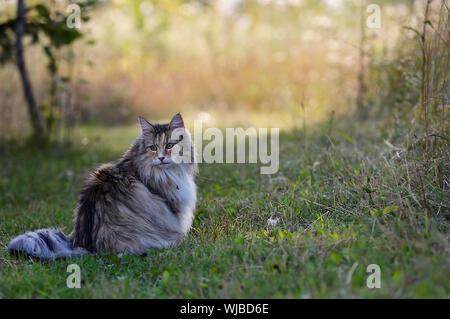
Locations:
{"points": [[161, 158]]}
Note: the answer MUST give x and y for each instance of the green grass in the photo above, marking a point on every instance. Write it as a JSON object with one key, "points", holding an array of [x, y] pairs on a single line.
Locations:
{"points": [[341, 202]]}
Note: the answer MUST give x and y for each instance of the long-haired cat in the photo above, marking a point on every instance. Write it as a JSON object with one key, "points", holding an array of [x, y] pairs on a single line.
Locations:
{"points": [[145, 199]]}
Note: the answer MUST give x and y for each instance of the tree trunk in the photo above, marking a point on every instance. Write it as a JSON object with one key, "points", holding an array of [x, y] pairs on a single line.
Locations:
{"points": [[35, 116]]}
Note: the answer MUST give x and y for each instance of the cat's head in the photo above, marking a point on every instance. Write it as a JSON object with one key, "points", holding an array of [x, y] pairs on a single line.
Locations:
{"points": [[165, 145]]}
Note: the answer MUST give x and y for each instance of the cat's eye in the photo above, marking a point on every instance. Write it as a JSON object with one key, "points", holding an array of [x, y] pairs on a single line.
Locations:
{"points": [[153, 148], [169, 146]]}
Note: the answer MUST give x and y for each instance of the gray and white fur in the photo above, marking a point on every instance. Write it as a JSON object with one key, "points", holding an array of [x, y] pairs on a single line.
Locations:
{"points": [[145, 199]]}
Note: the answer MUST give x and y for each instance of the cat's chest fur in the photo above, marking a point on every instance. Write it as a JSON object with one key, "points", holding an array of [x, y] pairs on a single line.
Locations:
{"points": [[176, 185]]}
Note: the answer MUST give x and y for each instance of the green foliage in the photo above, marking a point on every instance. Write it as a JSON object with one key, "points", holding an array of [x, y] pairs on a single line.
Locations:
{"points": [[333, 221], [6, 42], [47, 26], [40, 23], [345, 196]]}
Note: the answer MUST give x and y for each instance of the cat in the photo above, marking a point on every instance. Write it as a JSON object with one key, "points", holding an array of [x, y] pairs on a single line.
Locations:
{"points": [[144, 200]]}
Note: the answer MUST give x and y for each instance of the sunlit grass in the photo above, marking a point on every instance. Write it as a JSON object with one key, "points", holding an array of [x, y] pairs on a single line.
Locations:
{"points": [[339, 207]]}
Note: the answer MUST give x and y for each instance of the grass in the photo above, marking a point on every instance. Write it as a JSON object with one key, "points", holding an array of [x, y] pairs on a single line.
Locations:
{"points": [[342, 197]]}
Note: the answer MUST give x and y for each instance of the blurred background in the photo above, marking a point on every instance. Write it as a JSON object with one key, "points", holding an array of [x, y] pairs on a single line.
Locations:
{"points": [[262, 63], [358, 88]]}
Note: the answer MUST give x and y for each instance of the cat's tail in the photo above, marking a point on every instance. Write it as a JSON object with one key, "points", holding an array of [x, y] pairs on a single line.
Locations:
{"points": [[45, 244]]}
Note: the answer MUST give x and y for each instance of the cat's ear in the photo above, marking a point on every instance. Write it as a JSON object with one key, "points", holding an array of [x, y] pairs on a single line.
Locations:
{"points": [[146, 127], [176, 122]]}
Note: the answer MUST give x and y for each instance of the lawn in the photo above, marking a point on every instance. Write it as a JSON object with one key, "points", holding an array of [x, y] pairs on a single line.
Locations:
{"points": [[343, 199]]}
